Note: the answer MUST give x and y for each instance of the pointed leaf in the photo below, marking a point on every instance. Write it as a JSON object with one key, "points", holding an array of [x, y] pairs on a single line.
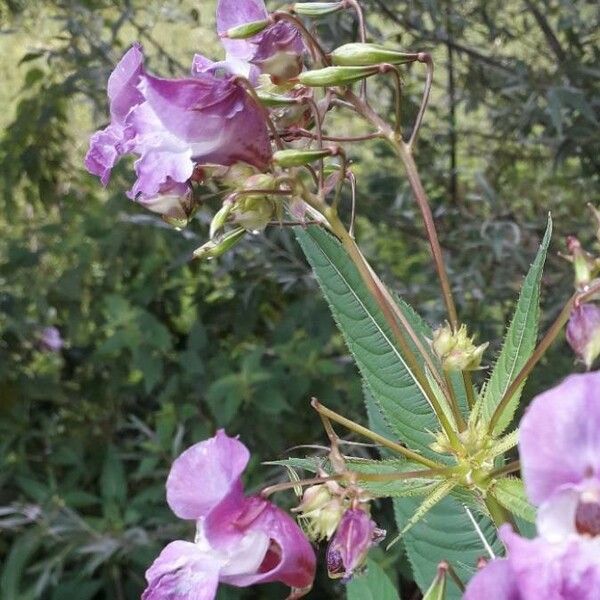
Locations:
{"points": [[399, 396], [519, 342], [510, 492]]}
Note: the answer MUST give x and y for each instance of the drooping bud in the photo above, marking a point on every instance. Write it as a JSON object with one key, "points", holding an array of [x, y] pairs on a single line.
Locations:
{"points": [[355, 536], [254, 211], [220, 218], [316, 9], [298, 158], [362, 55], [437, 591], [331, 76], [583, 332], [456, 349], [585, 265], [246, 30], [215, 248]]}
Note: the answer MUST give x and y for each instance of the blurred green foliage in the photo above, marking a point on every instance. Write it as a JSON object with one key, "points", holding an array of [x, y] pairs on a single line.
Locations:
{"points": [[159, 350]]}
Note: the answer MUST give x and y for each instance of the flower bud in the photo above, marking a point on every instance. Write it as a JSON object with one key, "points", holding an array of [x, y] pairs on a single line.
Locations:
{"points": [[214, 248], [347, 551], [297, 158], [316, 9], [174, 202], [322, 511], [246, 30], [336, 76], [362, 55], [586, 267], [437, 591], [456, 350], [583, 332], [220, 218]]}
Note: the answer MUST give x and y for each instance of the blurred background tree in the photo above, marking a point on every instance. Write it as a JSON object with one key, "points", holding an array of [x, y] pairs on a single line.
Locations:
{"points": [[159, 351]]}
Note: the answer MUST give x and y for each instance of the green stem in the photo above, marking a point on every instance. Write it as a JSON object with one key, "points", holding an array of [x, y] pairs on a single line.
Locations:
{"points": [[371, 435], [541, 349], [375, 287], [458, 418], [468, 381]]}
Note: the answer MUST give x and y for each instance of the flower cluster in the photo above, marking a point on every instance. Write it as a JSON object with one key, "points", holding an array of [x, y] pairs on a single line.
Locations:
{"points": [[560, 456], [175, 127]]}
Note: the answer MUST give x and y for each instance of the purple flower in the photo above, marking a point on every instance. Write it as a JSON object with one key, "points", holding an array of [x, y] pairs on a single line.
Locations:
{"points": [[583, 332], [174, 124], [560, 456], [51, 340], [240, 540], [276, 51], [348, 549]]}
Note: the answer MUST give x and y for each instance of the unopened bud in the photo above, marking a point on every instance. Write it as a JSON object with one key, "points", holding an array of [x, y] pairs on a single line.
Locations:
{"points": [[456, 349], [583, 332], [298, 158], [322, 511], [585, 265], [247, 30], [355, 536], [437, 591], [335, 76], [220, 218], [214, 248], [316, 9], [362, 55], [281, 66]]}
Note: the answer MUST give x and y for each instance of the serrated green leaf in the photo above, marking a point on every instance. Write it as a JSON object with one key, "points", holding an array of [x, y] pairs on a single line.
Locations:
{"points": [[446, 533], [394, 388], [519, 342], [374, 584], [510, 492]]}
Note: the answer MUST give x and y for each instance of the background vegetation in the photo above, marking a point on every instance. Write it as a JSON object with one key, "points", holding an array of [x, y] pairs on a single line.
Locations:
{"points": [[160, 351]]}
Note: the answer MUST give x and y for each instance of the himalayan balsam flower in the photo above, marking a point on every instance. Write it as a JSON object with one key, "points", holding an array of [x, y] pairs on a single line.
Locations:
{"points": [[173, 125], [240, 540], [51, 340], [560, 455], [356, 534]]}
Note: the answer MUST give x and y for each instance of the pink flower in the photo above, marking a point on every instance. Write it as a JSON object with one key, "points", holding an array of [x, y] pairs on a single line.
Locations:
{"points": [[172, 125], [51, 340], [583, 332], [560, 456], [240, 540]]}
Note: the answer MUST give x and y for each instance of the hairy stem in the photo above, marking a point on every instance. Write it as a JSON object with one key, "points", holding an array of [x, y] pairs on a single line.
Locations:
{"points": [[371, 435]]}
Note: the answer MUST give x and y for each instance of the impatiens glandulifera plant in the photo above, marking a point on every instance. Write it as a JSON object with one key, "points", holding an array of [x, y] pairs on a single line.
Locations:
{"points": [[255, 128]]}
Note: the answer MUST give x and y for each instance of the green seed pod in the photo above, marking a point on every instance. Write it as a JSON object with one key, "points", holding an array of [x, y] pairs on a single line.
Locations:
{"points": [[335, 76], [298, 158], [316, 9], [247, 30], [362, 55], [214, 248], [437, 591]]}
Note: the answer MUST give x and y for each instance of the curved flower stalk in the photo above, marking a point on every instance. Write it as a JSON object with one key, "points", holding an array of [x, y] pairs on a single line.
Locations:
{"points": [[240, 540], [560, 456], [256, 126]]}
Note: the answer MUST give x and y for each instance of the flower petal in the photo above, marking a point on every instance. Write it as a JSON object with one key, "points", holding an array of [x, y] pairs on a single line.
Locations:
{"points": [[560, 437], [182, 572], [494, 582], [122, 84], [205, 475], [564, 571], [290, 558]]}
